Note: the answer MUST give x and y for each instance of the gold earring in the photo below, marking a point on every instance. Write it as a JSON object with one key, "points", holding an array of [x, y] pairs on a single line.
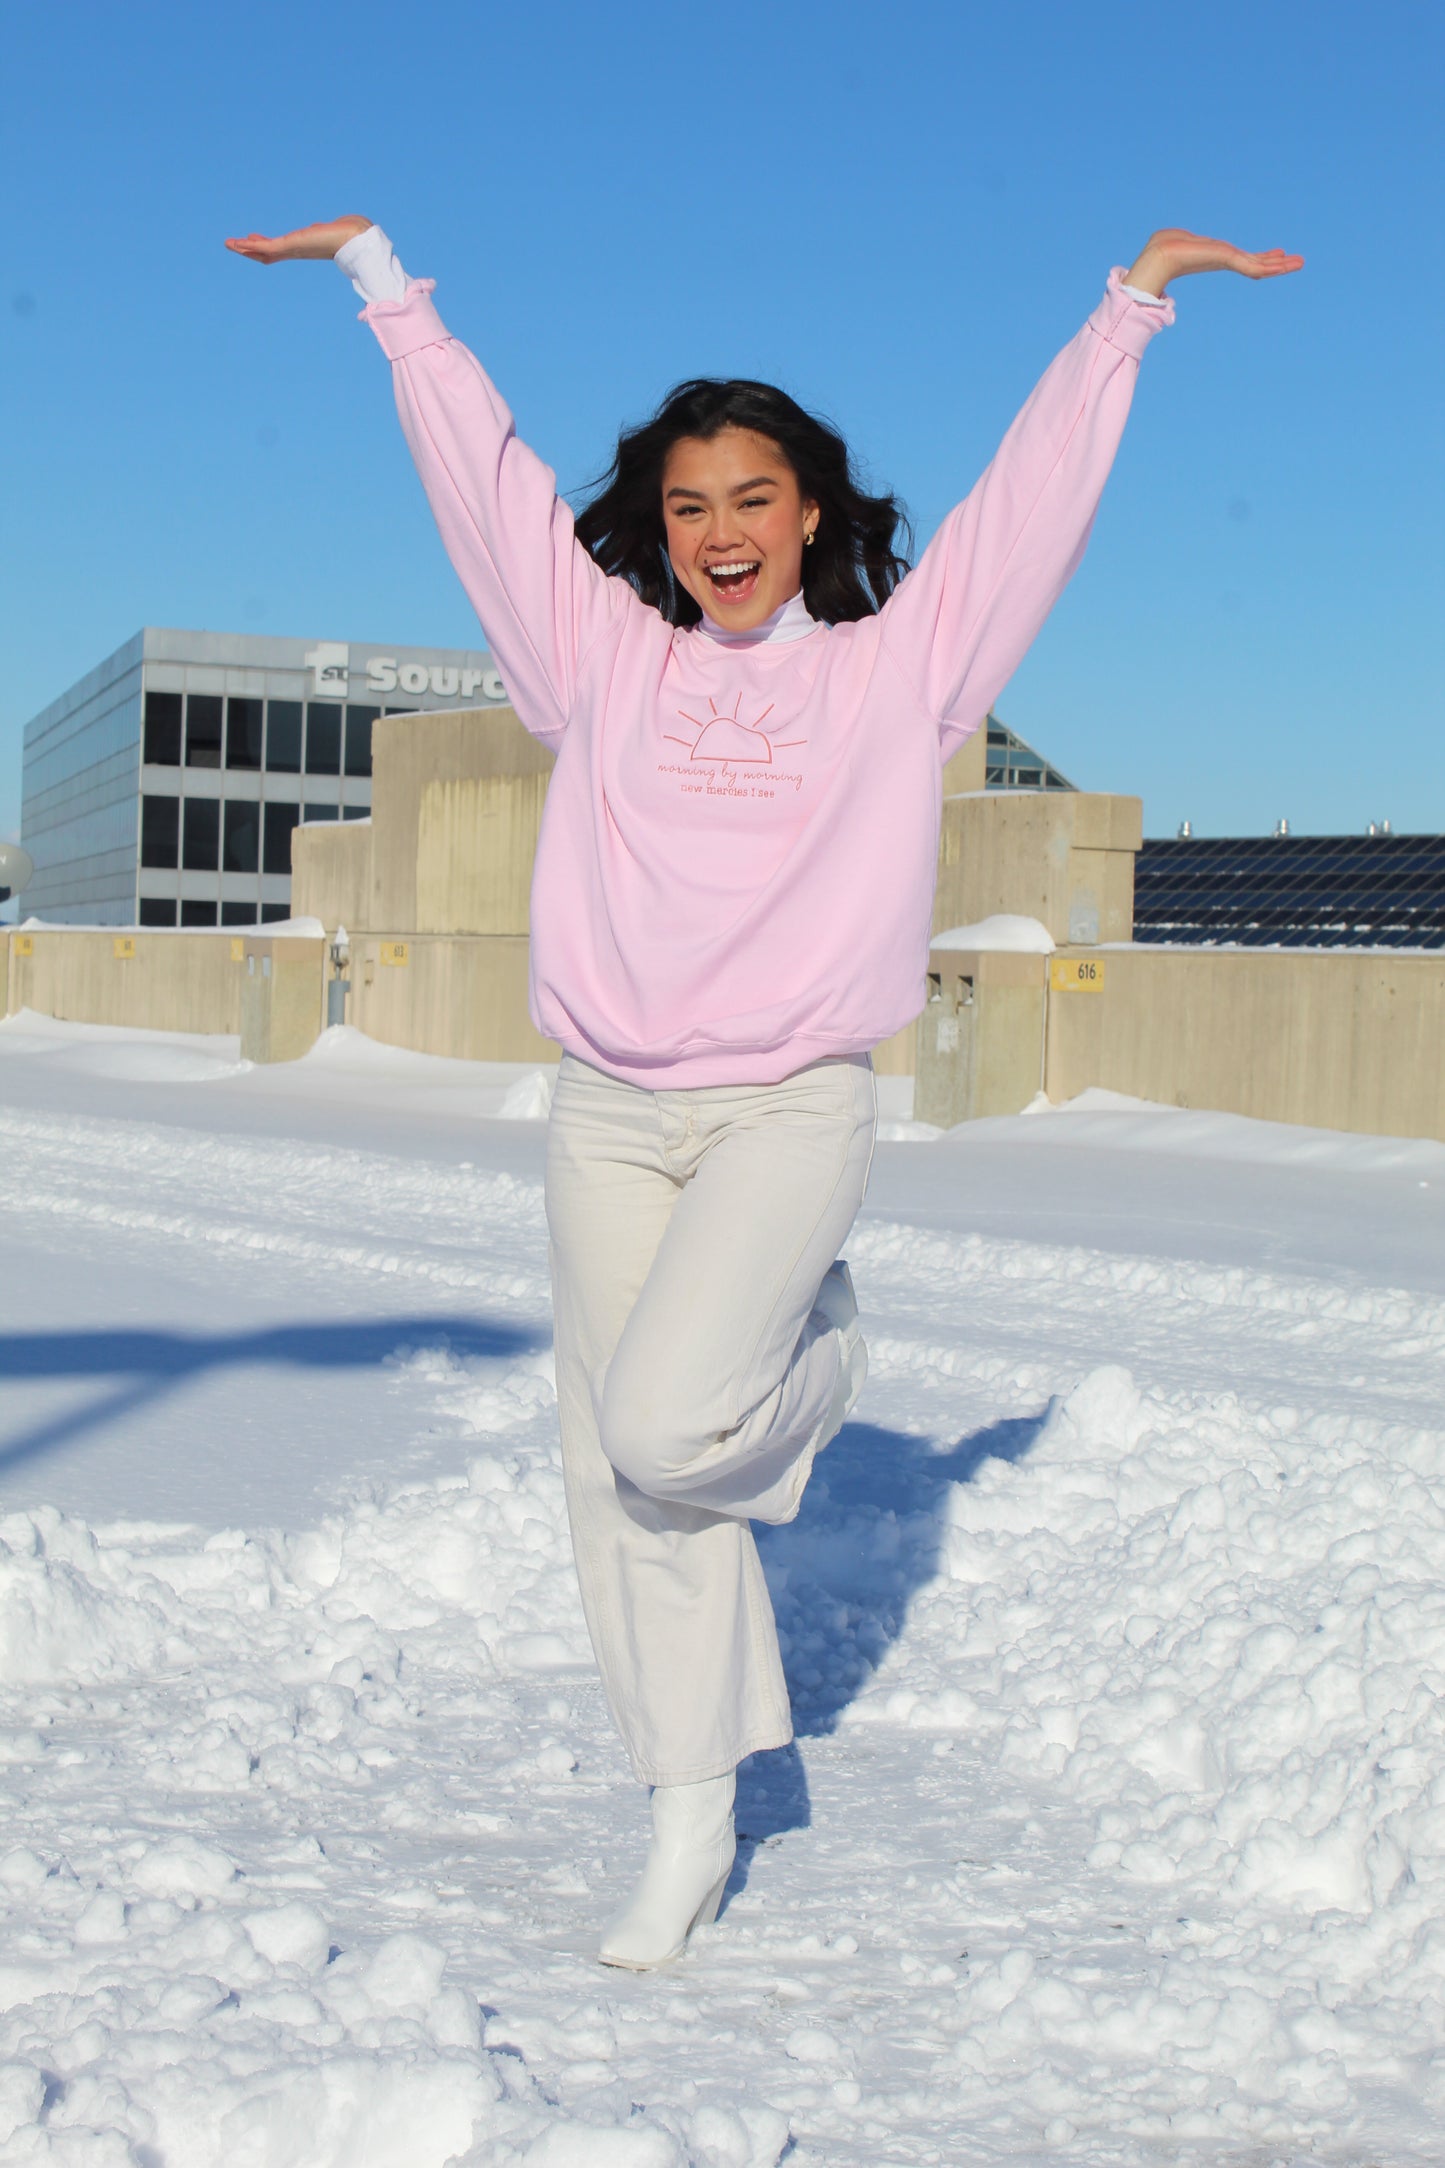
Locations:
{"points": [[808, 538]]}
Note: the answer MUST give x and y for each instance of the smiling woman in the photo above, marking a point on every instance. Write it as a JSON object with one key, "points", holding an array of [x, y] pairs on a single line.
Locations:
{"points": [[708, 508], [751, 698]]}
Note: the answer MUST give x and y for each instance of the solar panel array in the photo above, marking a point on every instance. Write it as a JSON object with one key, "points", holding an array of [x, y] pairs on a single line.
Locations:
{"points": [[1292, 891]]}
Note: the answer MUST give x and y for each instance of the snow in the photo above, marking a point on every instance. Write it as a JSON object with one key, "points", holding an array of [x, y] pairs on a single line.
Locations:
{"points": [[302, 928], [1115, 1624], [1005, 930]]}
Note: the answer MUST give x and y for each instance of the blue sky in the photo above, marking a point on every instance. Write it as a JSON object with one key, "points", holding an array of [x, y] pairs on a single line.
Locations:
{"points": [[900, 213]]}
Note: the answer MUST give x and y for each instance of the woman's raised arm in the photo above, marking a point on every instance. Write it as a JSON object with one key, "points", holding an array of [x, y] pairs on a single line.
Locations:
{"points": [[541, 599], [962, 621]]}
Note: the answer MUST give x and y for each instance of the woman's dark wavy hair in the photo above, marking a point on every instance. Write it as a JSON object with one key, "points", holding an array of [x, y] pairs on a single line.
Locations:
{"points": [[853, 563]]}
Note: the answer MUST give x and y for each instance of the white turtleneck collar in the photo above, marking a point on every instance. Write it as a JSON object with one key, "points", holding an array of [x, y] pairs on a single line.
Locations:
{"points": [[791, 622]]}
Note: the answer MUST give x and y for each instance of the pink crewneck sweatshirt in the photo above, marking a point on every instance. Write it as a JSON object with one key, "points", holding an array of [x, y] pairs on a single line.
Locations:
{"points": [[736, 866]]}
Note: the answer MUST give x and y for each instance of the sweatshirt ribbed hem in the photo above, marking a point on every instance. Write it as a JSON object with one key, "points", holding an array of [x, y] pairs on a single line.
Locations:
{"points": [[721, 1065]]}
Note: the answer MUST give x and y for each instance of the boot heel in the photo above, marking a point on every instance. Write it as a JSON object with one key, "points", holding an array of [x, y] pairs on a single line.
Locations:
{"points": [[707, 1911]]}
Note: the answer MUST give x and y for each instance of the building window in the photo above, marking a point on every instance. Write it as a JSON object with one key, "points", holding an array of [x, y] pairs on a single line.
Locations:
{"points": [[358, 739], [270, 912], [201, 846], [238, 914], [283, 736], [160, 832], [356, 812], [243, 733], [319, 813], [157, 911], [323, 738], [194, 913], [163, 730], [203, 730], [280, 820], [241, 852]]}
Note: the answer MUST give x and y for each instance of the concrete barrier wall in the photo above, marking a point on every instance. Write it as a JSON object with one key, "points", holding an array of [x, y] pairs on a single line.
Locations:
{"points": [[458, 994], [150, 981], [1325, 1037]]}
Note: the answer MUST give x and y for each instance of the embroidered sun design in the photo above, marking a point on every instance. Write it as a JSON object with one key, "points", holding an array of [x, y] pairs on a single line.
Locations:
{"points": [[722, 737]]}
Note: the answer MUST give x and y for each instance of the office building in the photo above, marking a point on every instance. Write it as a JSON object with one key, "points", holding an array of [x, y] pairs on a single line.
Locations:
{"points": [[162, 788]]}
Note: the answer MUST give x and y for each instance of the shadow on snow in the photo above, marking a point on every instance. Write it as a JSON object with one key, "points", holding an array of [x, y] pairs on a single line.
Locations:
{"points": [[140, 1368], [842, 1577]]}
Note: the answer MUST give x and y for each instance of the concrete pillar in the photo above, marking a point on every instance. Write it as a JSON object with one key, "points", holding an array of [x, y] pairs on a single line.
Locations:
{"points": [[981, 1035], [283, 996], [1065, 857]]}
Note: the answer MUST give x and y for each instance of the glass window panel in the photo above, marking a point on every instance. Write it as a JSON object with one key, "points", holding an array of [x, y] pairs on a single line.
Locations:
{"points": [[238, 914], [280, 820], [320, 813], [356, 813], [157, 911], [195, 913], [323, 738], [270, 912], [160, 831], [203, 730], [283, 736], [201, 846], [163, 729], [243, 837], [358, 739], [243, 733]]}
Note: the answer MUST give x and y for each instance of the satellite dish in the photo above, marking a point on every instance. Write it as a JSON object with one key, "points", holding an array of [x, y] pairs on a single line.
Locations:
{"points": [[16, 868]]}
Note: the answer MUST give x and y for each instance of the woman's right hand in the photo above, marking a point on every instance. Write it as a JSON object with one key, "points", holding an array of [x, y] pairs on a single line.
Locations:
{"points": [[321, 242]]}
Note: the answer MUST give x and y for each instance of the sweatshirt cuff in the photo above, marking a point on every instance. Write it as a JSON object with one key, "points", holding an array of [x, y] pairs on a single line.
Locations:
{"points": [[402, 327], [1127, 320]]}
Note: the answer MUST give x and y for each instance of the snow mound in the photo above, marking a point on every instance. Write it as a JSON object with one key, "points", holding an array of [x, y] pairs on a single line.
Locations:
{"points": [[1114, 1121], [500, 1090], [119, 1053], [1004, 931], [67, 1610], [529, 1099]]}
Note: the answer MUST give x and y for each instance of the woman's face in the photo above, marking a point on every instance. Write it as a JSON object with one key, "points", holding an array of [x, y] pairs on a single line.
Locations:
{"points": [[735, 520]]}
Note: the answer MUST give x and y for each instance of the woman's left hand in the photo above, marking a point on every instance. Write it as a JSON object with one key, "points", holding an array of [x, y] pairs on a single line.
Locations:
{"points": [[1174, 254]]}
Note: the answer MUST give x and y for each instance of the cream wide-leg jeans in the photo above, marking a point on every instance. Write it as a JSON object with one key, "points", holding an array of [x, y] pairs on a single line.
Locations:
{"points": [[690, 1232]]}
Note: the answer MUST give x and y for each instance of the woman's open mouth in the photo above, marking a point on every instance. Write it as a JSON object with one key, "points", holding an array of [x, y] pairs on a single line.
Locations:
{"points": [[734, 581]]}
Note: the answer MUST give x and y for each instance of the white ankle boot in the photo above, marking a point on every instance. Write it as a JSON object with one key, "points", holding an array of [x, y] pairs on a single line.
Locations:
{"points": [[692, 1853], [837, 1302]]}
